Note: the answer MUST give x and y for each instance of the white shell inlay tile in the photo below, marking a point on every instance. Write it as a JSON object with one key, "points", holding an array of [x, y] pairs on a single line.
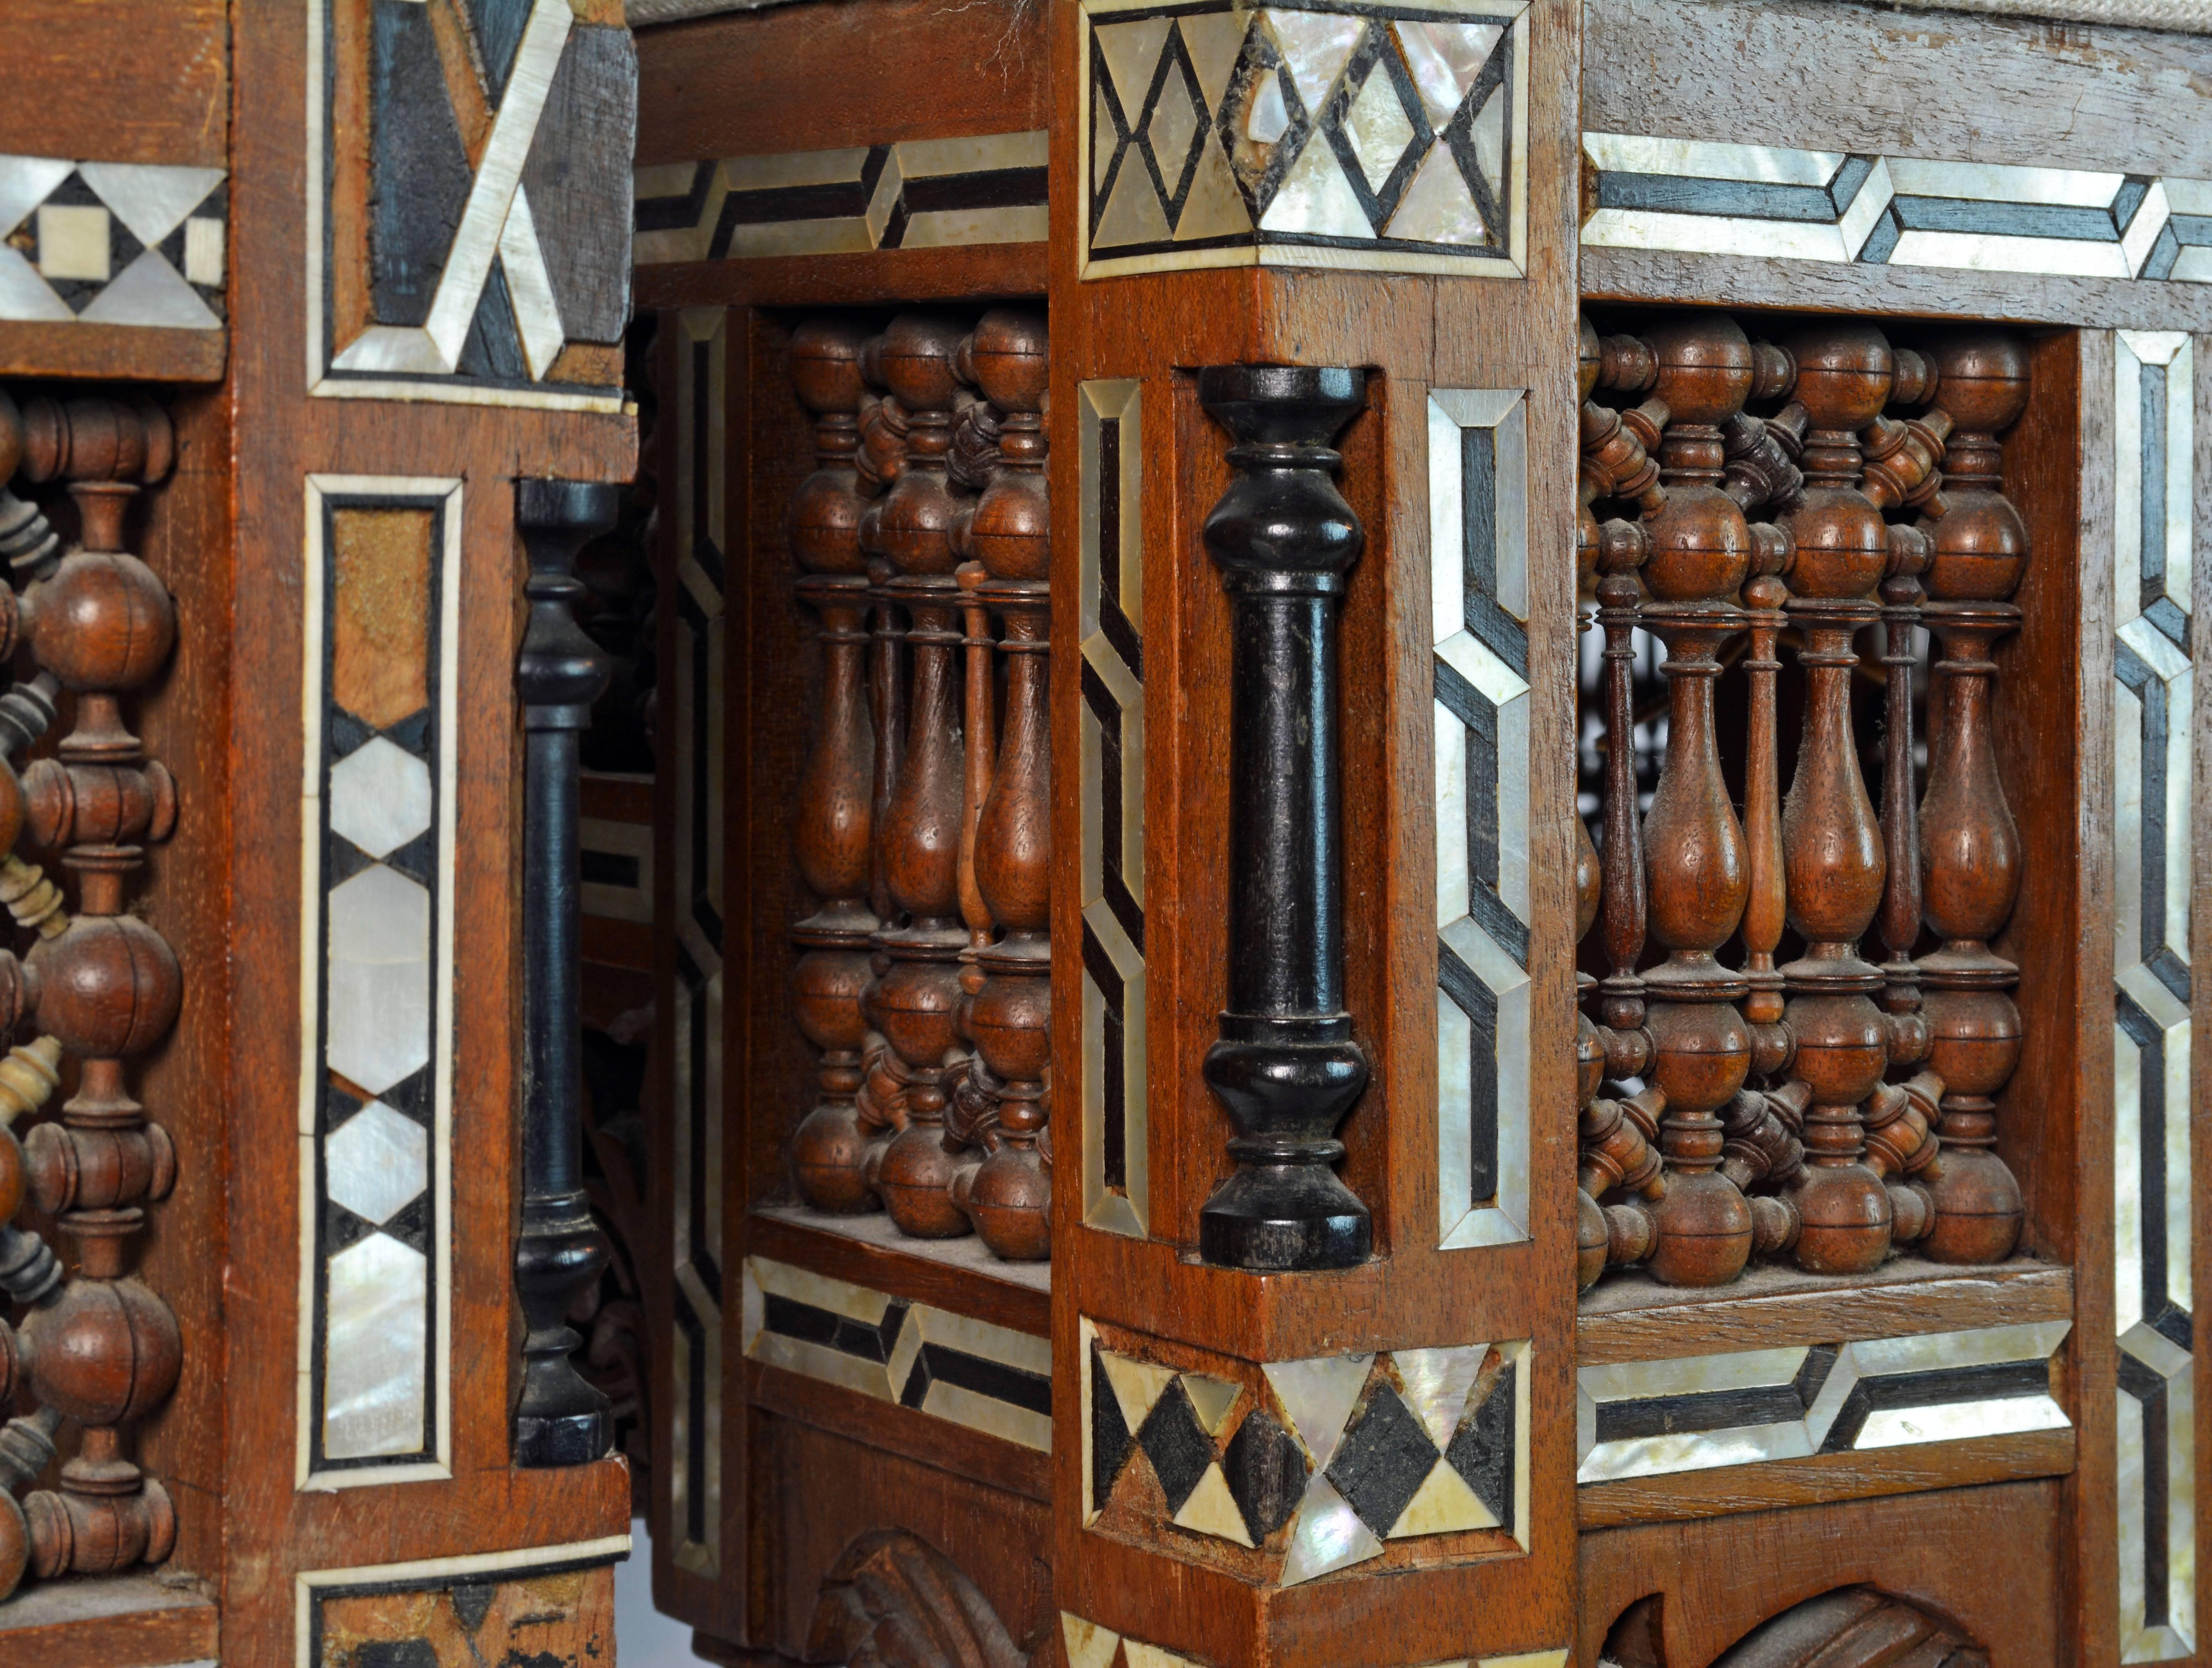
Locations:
{"points": [[377, 1161], [151, 200], [1656, 1418], [73, 243], [149, 291], [373, 1350], [379, 978], [379, 796]]}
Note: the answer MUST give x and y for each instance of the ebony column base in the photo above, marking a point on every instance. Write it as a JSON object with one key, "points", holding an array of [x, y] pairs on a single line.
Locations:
{"points": [[560, 1419], [1287, 1083], [1284, 1217]]}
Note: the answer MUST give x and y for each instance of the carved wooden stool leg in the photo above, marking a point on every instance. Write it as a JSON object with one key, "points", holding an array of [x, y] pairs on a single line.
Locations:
{"points": [[1009, 1198]]}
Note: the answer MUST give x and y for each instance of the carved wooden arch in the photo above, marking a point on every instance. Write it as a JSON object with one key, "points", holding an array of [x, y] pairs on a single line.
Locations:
{"points": [[892, 1600], [1850, 1627]]}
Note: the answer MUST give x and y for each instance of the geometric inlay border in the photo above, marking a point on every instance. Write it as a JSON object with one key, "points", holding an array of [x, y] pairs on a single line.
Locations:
{"points": [[1479, 567]]}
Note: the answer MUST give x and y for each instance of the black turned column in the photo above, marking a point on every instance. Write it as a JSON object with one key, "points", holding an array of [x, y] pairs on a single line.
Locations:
{"points": [[560, 1420], [1285, 1065]]}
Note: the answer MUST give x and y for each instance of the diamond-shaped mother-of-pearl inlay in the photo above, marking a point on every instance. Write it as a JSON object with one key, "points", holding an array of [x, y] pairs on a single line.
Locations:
{"points": [[373, 1387], [377, 1161], [379, 978], [380, 797]]}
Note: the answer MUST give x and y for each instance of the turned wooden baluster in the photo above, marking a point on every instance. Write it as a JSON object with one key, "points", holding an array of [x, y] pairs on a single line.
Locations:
{"points": [[916, 998], [1900, 471], [833, 831], [1009, 1197], [1834, 858], [1702, 550], [1761, 1146], [1971, 853], [881, 1103], [104, 1350], [1617, 1150]]}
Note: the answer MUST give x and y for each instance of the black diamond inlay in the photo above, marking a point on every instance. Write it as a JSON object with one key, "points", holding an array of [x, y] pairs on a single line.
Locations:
{"points": [[1177, 1444], [345, 732], [1266, 1472], [1481, 1449], [472, 1600], [1109, 1432], [1385, 1456]]}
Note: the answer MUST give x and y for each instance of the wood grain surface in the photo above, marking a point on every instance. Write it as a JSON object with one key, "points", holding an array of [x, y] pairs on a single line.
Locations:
{"points": [[1719, 1578], [844, 72], [2027, 298], [1730, 1489], [1632, 1318], [142, 1620], [145, 352], [1948, 86], [903, 1432], [133, 81]]}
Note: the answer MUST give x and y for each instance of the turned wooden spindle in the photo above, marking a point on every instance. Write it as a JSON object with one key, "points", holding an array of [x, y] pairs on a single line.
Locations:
{"points": [[1971, 854], [1901, 459], [1832, 854], [880, 1103], [1760, 1146], [1589, 1060], [1702, 550], [1617, 1152], [832, 833], [104, 1350], [1009, 1196], [915, 999]]}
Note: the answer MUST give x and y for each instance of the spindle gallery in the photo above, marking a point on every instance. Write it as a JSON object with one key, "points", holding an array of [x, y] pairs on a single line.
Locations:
{"points": [[923, 828], [1825, 1110]]}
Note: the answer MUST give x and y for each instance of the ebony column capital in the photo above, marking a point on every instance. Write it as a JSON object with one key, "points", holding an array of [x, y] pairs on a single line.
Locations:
{"points": [[1285, 1065]]}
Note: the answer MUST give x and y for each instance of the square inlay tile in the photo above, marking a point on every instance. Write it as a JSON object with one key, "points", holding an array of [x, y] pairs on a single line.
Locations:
{"points": [[106, 242]]}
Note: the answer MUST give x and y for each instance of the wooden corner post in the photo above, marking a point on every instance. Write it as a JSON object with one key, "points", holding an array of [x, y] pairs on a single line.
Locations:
{"points": [[1313, 407]]}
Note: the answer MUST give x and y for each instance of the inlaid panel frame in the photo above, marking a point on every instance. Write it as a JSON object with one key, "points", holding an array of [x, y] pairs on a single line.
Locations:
{"points": [[1478, 460], [496, 234], [1116, 1131], [313, 1588], [1236, 242], [442, 499]]}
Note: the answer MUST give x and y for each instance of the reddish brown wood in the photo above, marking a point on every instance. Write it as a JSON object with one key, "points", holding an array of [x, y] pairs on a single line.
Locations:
{"points": [[833, 834], [104, 1350], [1973, 854], [1009, 1196], [852, 72]]}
